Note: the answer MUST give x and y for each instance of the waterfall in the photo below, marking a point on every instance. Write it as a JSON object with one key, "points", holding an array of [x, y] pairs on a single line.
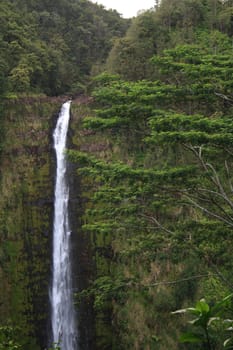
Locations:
{"points": [[61, 296]]}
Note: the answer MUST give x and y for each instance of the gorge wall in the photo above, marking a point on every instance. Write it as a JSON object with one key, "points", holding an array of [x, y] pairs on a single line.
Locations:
{"points": [[26, 206]]}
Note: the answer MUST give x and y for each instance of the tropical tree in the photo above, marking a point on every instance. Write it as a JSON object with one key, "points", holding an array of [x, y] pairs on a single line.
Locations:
{"points": [[203, 323], [160, 189]]}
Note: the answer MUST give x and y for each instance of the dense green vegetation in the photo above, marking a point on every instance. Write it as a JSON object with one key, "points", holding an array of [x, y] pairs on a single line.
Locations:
{"points": [[157, 175], [53, 47], [174, 22]]}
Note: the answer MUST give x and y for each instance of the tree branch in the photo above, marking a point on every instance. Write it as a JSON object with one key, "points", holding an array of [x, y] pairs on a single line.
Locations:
{"points": [[224, 97], [181, 280], [228, 174], [153, 219], [197, 205]]}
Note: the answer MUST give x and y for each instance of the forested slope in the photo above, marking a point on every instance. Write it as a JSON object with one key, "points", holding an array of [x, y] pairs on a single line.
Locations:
{"points": [[173, 23], [51, 47]]}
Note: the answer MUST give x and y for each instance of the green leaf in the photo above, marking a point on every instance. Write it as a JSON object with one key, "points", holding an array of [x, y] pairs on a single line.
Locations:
{"points": [[190, 337], [219, 307], [202, 306], [181, 311], [212, 319], [227, 343]]}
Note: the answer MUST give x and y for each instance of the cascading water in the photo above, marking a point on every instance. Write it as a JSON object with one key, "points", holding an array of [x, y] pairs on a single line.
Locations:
{"points": [[62, 307]]}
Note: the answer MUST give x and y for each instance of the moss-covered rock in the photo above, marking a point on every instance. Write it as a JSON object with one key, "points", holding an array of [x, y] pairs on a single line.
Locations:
{"points": [[26, 206]]}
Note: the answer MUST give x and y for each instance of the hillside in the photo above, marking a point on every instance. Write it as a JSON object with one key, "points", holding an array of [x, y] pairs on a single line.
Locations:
{"points": [[52, 48]]}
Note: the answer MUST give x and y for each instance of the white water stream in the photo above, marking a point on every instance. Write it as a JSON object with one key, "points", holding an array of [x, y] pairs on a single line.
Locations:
{"points": [[62, 306]]}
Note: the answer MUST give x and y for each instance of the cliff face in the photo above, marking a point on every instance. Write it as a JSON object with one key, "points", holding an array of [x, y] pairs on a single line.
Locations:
{"points": [[26, 207], [84, 264], [93, 252]]}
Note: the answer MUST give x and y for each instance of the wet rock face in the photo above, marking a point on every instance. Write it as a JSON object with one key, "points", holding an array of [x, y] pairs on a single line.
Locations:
{"points": [[27, 171], [26, 206], [82, 250]]}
